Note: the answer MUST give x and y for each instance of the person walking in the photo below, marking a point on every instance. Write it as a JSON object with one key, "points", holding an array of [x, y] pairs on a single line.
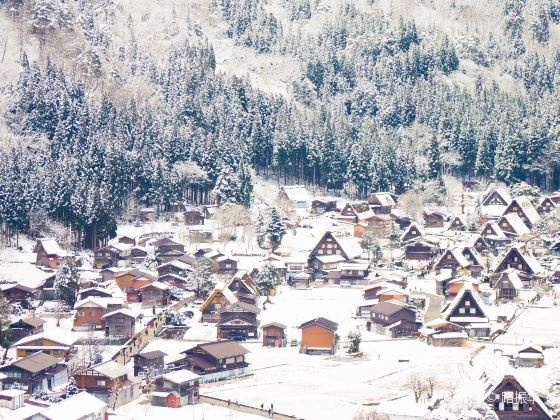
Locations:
{"points": [[228, 402], [269, 412], [262, 406]]}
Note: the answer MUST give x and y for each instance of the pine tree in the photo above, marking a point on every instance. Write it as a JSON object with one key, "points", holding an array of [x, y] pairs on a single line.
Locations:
{"points": [[434, 159], [72, 387], [268, 278], [276, 229], [67, 282], [245, 186], [261, 230]]}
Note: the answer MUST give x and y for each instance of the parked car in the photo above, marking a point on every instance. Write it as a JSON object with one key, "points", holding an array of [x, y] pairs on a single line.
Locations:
{"points": [[345, 283], [189, 314], [236, 337], [198, 302]]}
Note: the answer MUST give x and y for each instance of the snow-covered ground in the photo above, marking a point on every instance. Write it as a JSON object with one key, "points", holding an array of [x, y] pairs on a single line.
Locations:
{"points": [[537, 325]]}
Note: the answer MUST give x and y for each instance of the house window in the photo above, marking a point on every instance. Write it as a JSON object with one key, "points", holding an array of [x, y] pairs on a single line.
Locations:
{"points": [[57, 352], [230, 360], [228, 265], [467, 303], [101, 382], [473, 311], [461, 310], [80, 313]]}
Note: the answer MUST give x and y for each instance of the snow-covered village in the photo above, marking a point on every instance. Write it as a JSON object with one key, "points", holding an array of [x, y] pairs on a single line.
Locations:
{"points": [[289, 209]]}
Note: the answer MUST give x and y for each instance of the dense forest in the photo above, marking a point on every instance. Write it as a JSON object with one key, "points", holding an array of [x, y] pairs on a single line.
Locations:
{"points": [[373, 107]]}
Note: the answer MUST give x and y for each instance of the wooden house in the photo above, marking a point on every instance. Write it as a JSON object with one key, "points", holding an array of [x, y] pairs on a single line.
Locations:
{"points": [[393, 293], [147, 214], [355, 212], [224, 357], [318, 336], [393, 318], [26, 326], [175, 272], [36, 372], [168, 249], [274, 334], [516, 258], [420, 250], [90, 311], [529, 356], [218, 298], [176, 389], [98, 292], [239, 319], [294, 265], [353, 272], [134, 278], [379, 225], [496, 196], [546, 205], [244, 288], [155, 294], [301, 281], [111, 255], [478, 243], [323, 205], [137, 254], [101, 380], [226, 265], [127, 240], [298, 195], [381, 202], [49, 253], [511, 399], [346, 247], [441, 333], [119, 323], [401, 221], [80, 406], [16, 293], [523, 207], [494, 235], [149, 363], [457, 223], [193, 218], [507, 284], [452, 259], [54, 343], [512, 225], [434, 219], [467, 310], [410, 233]]}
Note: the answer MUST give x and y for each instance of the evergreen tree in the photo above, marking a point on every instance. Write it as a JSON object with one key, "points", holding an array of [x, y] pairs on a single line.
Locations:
{"points": [[67, 282], [434, 159], [276, 229], [267, 279], [261, 230]]}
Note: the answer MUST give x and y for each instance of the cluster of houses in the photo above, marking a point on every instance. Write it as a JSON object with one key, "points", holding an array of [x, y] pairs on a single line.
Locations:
{"points": [[476, 274]]}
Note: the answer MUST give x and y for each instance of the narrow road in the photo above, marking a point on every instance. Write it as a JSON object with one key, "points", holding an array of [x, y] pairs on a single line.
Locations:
{"points": [[242, 408], [434, 307]]}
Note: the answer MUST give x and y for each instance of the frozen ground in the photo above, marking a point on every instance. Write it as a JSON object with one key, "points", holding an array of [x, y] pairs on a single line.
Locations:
{"points": [[537, 325]]}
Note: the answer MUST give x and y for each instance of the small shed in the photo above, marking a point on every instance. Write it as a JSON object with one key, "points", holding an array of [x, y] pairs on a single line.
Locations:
{"points": [[170, 399], [529, 356], [301, 281], [12, 398], [274, 334]]}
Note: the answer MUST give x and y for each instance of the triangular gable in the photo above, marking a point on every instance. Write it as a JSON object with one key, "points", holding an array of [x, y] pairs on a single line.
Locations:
{"points": [[525, 209], [466, 299], [456, 223], [496, 196], [411, 232], [449, 256], [516, 259], [472, 255]]}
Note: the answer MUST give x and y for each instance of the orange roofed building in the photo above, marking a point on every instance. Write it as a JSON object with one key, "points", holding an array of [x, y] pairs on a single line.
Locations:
{"points": [[318, 336]]}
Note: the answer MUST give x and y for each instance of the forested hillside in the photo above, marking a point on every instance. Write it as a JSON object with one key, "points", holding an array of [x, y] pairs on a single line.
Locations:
{"points": [[110, 103]]}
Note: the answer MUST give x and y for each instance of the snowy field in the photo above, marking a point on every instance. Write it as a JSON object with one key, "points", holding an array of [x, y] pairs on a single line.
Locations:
{"points": [[337, 387], [537, 325], [327, 387]]}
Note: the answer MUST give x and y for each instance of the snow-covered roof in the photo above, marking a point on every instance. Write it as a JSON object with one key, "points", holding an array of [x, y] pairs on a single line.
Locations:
{"points": [[51, 246], [456, 253], [58, 335], [385, 199], [101, 302], [494, 210], [501, 191], [350, 246], [111, 369], [157, 285], [24, 273], [76, 407], [296, 193], [516, 223], [122, 311], [354, 266], [528, 209], [467, 287], [513, 277]]}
